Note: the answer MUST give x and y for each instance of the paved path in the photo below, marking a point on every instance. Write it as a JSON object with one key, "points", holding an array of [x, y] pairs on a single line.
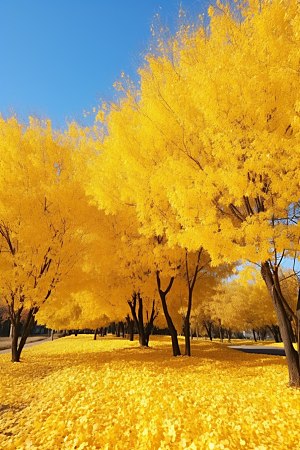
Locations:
{"points": [[31, 344], [260, 349]]}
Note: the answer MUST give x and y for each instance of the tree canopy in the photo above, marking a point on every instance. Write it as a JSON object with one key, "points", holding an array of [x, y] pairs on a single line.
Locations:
{"points": [[200, 160]]}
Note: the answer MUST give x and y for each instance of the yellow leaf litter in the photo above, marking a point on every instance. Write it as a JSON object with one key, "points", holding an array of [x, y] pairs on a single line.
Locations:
{"points": [[77, 393]]}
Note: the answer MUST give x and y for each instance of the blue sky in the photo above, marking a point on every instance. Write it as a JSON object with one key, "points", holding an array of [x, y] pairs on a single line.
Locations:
{"points": [[57, 57]]}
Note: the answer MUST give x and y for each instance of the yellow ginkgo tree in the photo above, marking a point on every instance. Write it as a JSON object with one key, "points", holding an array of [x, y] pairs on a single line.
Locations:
{"points": [[41, 225], [207, 149]]}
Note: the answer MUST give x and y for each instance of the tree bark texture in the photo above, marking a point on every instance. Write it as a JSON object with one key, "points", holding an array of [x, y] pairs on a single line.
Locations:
{"points": [[208, 327], [138, 317], [191, 281], [150, 323], [144, 330], [16, 349], [171, 327], [284, 323]]}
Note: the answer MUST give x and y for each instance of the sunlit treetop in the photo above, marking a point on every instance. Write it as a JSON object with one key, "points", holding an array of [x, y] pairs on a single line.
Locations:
{"points": [[207, 149]]}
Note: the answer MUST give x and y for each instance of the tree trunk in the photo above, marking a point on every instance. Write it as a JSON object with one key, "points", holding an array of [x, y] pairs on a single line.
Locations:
{"points": [[138, 319], [276, 333], [279, 334], [208, 327], [122, 329], [186, 324], [16, 349], [284, 324], [14, 332], [229, 333], [143, 330], [150, 324], [191, 284], [254, 335], [263, 333], [148, 331], [140, 323], [131, 330], [95, 334], [187, 336], [130, 325], [210, 330], [171, 327], [29, 324]]}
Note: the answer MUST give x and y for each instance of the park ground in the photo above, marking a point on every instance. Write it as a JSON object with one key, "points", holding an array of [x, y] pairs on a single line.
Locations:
{"points": [[77, 393]]}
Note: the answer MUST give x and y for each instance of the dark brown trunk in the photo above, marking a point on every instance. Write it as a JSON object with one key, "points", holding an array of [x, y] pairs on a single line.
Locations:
{"points": [[130, 325], [131, 330], [14, 340], [229, 333], [274, 329], [263, 333], [29, 324], [141, 329], [284, 324], [16, 349], [254, 335], [95, 334], [138, 319], [150, 324], [186, 324], [171, 327], [208, 327], [187, 336], [148, 331], [191, 284], [122, 329], [271, 331]]}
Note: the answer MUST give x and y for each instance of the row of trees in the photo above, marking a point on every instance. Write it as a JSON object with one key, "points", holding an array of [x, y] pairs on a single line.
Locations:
{"points": [[207, 149], [176, 182]]}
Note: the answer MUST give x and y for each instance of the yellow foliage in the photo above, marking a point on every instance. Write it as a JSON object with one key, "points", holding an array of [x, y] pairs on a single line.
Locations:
{"points": [[207, 148], [110, 394]]}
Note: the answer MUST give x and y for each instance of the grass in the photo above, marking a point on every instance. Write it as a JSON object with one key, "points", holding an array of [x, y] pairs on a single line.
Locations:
{"points": [[76, 393]]}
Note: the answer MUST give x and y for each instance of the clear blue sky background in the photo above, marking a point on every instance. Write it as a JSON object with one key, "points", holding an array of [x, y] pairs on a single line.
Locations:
{"points": [[57, 57]]}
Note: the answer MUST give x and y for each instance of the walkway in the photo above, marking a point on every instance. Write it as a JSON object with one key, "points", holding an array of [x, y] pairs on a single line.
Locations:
{"points": [[31, 344], [259, 349]]}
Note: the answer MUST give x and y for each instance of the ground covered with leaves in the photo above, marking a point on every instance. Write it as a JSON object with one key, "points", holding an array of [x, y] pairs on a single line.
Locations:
{"points": [[76, 393]]}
